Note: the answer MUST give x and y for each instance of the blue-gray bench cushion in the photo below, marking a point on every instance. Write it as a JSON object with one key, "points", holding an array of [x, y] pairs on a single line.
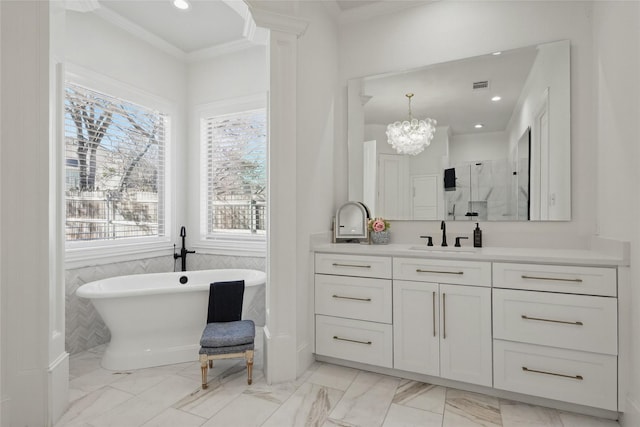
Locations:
{"points": [[228, 334]]}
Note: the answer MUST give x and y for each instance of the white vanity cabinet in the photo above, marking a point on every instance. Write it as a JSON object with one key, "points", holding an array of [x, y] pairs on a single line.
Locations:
{"points": [[353, 302], [443, 329], [552, 343], [504, 321]]}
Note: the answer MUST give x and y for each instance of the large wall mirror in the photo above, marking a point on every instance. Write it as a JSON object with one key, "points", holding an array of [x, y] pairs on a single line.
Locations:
{"points": [[501, 149]]}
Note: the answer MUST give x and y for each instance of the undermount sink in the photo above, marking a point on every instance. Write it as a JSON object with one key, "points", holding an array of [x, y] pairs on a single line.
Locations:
{"points": [[444, 250]]}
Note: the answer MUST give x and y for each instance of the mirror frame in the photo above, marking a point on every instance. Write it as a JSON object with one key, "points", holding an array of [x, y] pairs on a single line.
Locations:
{"points": [[552, 202], [362, 226]]}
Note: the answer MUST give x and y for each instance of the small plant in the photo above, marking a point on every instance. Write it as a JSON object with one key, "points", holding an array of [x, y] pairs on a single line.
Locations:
{"points": [[379, 224]]}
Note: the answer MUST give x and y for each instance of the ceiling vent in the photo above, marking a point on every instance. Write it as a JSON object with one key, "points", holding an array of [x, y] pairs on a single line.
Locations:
{"points": [[484, 84]]}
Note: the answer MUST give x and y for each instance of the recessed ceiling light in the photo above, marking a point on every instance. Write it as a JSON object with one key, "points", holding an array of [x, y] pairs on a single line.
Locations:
{"points": [[181, 4], [496, 53], [479, 126], [496, 98]]}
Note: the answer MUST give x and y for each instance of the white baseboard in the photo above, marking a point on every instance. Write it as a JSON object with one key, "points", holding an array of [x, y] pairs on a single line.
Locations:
{"points": [[305, 359], [279, 357], [631, 416], [58, 383]]}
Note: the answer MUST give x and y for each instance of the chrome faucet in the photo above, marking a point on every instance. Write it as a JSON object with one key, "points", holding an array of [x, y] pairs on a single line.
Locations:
{"points": [[443, 227], [183, 250]]}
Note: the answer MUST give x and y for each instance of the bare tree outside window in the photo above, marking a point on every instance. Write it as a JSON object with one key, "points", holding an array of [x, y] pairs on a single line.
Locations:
{"points": [[236, 172], [114, 167]]}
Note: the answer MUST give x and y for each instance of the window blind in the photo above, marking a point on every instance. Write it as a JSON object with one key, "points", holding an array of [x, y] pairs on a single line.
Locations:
{"points": [[236, 179], [115, 167]]}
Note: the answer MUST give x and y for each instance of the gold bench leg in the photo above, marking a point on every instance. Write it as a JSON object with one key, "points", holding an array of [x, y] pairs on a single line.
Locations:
{"points": [[249, 356], [203, 369]]}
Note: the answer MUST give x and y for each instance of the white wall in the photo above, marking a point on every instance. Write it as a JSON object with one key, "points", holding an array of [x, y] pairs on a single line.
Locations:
{"points": [[471, 147], [616, 67], [445, 31]]}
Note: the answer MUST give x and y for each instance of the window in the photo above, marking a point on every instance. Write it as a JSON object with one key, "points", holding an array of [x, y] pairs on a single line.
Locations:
{"points": [[235, 155], [115, 164]]}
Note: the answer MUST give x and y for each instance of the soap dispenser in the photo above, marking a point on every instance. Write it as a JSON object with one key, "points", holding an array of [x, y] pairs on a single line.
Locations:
{"points": [[477, 236]]}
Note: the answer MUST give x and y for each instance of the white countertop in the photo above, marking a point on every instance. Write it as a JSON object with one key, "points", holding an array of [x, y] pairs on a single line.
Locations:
{"points": [[530, 255]]}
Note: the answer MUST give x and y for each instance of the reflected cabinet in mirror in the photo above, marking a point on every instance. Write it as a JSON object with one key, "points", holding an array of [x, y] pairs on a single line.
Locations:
{"points": [[501, 149]]}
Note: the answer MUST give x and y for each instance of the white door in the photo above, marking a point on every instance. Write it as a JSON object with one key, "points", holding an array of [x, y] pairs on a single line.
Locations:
{"points": [[415, 327], [425, 197], [465, 334], [393, 186]]}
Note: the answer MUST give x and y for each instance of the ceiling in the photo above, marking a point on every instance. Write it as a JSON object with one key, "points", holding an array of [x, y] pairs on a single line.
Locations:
{"points": [[204, 24], [444, 92], [210, 27]]}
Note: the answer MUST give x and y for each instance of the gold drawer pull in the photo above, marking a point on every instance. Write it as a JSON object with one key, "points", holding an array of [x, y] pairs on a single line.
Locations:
{"points": [[335, 264], [575, 377], [524, 316], [347, 339], [552, 278], [418, 270], [353, 298]]}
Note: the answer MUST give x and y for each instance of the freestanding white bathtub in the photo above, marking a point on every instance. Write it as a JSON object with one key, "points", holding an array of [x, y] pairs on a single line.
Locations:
{"points": [[156, 320]]}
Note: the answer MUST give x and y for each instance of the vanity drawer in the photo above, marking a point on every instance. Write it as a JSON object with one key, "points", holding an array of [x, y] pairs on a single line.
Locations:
{"points": [[356, 340], [555, 278], [443, 271], [568, 375], [354, 265], [354, 297], [577, 322]]}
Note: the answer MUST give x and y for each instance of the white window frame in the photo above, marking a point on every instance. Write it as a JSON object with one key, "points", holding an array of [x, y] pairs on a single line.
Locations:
{"points": [[224, 243], [82, 253]]}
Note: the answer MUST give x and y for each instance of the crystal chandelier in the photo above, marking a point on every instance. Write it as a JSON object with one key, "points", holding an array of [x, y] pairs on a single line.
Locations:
{"points": [[412, 136]]}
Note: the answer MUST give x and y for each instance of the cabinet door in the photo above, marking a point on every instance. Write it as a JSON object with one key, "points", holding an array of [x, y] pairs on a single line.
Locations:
{"points": [[415, 327], [465, 334]]}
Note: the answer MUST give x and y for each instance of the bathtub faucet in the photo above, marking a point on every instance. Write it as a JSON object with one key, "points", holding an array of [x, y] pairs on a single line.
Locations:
{"points": [[183, 251]]}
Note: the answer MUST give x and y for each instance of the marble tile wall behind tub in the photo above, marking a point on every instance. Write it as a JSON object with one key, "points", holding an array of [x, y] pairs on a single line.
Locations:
{"points": [[84, 326]]}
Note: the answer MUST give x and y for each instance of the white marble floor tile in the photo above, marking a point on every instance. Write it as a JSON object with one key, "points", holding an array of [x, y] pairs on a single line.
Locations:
{"points": [[85, 384], [570, 419], [522, 415], [333, 376], [92, 405], [308, 406], [243, 411], [427, 397], [221, 391], [83, 363], [147, 404], [366, 400], [404, 416], [464, 409], [175, 418]]}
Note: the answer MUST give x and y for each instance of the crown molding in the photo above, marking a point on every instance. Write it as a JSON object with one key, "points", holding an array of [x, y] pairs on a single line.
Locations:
{"points": [[364, 13], [81, 5], [219, 50], [140, 33], [277, 21]]}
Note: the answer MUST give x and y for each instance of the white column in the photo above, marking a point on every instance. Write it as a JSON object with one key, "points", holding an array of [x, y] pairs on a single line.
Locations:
{"points": [[24, 223], [282, 254]]}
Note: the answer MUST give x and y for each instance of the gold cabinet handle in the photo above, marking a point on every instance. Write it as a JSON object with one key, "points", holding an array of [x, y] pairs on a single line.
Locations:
{"points": [[353, 298], [433, 303], [575, 377], [418, 270], [356, 341], [524, 316], [335, 264], [444, 318], [558, 279]]}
